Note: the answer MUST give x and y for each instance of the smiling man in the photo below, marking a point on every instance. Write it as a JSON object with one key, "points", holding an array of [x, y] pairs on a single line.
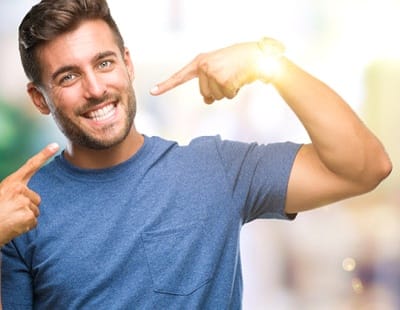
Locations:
{"points": [[86, 84], [129, 221]]}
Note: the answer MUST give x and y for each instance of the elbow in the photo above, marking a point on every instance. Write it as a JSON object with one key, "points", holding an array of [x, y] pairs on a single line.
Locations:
{"points": [[377, 171], [385, 169]]}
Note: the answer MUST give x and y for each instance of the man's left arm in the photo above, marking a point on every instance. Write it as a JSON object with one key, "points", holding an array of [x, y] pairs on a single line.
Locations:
{"points": [[344, 158]]}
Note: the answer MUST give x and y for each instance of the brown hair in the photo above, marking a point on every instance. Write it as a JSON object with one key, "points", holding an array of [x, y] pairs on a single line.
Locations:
{"points": [[51, 18]]}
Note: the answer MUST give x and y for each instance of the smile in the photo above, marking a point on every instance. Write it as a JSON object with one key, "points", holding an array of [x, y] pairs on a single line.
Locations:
{"points": [[103, 113]]}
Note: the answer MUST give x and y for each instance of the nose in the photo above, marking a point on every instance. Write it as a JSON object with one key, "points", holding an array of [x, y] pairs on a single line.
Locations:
{"points": [[93, 85]]}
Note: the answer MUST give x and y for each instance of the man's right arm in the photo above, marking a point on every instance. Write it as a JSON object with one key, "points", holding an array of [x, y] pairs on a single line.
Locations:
{"points": [[19, 209], [16, 279], [19, 205]]}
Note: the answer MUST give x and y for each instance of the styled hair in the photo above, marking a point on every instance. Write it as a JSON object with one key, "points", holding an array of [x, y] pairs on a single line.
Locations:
{"points": [[51, 18]]}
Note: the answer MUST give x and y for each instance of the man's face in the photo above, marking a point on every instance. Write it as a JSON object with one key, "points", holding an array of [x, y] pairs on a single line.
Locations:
{"points": [[87, 86]]}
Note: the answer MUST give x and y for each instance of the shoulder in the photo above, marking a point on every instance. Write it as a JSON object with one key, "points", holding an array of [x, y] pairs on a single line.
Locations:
{"points": [[198, 145]]}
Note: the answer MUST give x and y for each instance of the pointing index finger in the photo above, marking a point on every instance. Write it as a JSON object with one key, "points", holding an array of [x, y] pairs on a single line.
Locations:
{"points": [[185, 74], [33, 164]]}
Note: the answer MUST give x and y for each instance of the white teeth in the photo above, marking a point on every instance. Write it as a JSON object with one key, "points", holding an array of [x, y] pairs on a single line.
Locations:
{"points": [[102, 113]]}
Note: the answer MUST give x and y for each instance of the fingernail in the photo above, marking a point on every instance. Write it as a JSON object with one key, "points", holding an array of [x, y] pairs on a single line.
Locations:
{"points": [[154, 90], [53, 146]]}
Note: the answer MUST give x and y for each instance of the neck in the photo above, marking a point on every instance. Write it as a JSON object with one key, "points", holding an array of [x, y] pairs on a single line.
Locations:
{"points": [[86, 158]]}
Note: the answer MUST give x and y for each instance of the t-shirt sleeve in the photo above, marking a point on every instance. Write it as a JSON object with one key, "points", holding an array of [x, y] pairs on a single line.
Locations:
{"points": [[16, 283], [259, 176]]}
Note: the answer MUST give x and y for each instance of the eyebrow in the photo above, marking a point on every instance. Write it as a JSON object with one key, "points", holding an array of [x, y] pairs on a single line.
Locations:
{"points": [[68, 68], [62, 70]]}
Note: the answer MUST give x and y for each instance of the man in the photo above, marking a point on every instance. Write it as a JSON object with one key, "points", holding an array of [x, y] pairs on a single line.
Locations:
{"points": [[129, 221]]}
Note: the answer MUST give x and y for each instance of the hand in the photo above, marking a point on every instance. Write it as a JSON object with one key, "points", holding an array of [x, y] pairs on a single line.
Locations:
{"points": [[221, 73], [19, 205]]}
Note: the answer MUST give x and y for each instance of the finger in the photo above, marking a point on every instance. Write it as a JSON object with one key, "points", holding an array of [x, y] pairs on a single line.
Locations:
{"points": [[204, 88], [32, 196], [203, 85], [34, 208], [230, 92], [31, 225], [33, 164], [229, 89], [185, 74], [215, 89]]}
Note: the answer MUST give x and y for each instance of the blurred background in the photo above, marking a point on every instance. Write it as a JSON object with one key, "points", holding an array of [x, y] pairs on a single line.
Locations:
{"points": [[343, 256]]}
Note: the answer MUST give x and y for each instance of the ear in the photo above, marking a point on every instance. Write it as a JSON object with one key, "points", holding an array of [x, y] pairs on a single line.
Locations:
{"points": [[37, 98], [129, 64]]}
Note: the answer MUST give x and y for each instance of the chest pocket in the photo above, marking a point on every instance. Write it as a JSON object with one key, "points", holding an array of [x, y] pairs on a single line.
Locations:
{"points": [[179, 259]]}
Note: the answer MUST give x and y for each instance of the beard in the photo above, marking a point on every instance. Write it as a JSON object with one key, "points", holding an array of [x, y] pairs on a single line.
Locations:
{"points": [[109, 137]]}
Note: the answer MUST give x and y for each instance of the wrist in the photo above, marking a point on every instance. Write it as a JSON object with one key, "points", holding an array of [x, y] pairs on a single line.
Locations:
{"points": [[271, 53]]}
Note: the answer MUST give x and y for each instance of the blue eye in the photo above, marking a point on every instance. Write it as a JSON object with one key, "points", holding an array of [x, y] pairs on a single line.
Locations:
{"points": [[68, 78], [105, 64]]}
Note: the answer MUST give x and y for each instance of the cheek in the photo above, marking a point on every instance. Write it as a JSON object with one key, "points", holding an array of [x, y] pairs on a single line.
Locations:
{"points": [[65, 100], [121, 78]]}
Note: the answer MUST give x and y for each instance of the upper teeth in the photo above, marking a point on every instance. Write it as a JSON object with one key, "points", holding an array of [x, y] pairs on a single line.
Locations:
{"points": [[102, 113]]}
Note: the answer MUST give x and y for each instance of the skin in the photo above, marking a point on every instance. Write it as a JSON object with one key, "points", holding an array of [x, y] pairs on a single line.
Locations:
{"points": [[99, 75], [19, 204], [84, 72], [344, 159]]}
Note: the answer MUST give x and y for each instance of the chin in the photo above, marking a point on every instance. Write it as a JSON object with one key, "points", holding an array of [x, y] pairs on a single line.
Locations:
{"points": [[103, 144]]}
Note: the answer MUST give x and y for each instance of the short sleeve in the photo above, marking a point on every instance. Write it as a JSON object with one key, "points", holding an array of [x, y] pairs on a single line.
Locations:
{"points": [[259, 174], [16, 282]]}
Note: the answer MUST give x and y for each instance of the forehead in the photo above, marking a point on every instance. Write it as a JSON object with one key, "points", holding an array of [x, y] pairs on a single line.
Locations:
{"points": [[77, 46]]}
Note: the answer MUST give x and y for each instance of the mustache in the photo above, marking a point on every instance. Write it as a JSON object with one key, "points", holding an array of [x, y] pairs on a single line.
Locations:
{"points": [[92, 102]]}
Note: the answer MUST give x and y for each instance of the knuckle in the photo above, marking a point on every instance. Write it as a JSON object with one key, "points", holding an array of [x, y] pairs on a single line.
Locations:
{"points": [[19, 187], [203, 65], [177, 76], [199, 58], [29, 216], [22, 203], [31, 163], [38, 199], [34, 222], [203, 62], [225, 83], [12, 189]]}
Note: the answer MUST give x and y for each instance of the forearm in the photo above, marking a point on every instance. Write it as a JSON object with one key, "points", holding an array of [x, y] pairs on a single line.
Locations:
{"points": [[344, 158], [342, 142]]}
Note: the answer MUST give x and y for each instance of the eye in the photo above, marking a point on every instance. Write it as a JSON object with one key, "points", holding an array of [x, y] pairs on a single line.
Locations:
{"points": [[67, 79], [105, 64]]}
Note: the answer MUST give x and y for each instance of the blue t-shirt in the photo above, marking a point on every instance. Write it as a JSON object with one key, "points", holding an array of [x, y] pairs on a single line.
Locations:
{"points": [[159, 231]]}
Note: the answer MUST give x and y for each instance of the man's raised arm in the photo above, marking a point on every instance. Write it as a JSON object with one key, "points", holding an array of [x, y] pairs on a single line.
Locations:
{"points": [[344, 158]]}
